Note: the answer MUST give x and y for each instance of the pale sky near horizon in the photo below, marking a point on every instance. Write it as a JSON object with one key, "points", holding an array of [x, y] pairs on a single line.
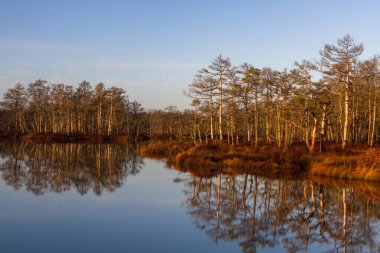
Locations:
{"points": [[152, 49]]}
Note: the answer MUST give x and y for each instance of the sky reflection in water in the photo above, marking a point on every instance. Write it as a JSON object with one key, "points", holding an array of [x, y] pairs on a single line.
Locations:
{"points": [[96, 198]]}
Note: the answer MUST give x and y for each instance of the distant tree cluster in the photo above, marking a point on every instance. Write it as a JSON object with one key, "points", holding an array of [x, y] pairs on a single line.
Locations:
{"points": [[58, 108], [247, 104], [41, 107]]}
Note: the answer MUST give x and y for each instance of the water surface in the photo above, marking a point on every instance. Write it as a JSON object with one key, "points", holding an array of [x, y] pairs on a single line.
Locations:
{"points": [[97, 198]]}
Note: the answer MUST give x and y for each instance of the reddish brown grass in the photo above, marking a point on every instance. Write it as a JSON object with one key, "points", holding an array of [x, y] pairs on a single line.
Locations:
{"points": [[241, 159], [356, 163], [268, 160]]}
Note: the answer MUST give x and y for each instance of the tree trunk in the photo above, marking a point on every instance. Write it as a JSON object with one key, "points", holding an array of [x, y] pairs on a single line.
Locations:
{"points": [[323, 129], [99, 117], [220, 106], [110, 116], [211, 116], [373, 122], [313, 135], [256, 121], [246, 121], [346, 100], [278, 127], [369, 134]]}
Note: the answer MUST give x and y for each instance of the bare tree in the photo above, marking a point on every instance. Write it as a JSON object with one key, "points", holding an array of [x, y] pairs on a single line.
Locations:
{"points": [[219, 69], [15, 101], [339, 61], [203, 88]]}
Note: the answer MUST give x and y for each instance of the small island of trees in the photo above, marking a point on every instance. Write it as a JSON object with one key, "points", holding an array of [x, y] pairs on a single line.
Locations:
{"points": [[240, 115]]}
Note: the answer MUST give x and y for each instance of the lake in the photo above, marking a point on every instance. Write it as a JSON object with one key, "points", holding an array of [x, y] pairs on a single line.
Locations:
{"points": [[105, 198]]}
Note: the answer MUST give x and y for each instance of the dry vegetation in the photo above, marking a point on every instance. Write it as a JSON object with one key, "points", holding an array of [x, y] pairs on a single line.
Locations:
{"points": [[269, 160], [355, 163], [164, 150], [206, 159]]}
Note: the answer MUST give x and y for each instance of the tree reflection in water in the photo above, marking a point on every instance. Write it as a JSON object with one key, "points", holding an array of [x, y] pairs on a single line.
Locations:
{"points": [[297, 216], [256, 212], [44, 167]]}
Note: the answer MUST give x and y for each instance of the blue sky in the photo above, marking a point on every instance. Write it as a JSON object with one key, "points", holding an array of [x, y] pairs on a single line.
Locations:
{"points": [[152, 49]]}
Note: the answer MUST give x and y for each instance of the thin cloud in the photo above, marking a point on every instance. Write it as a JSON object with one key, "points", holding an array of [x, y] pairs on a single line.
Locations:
{"points": [[120, 65], [33, 45], [113, 65]]}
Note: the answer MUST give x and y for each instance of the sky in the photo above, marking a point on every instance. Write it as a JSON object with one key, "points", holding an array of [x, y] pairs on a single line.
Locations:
{"points": [[153, 48]]}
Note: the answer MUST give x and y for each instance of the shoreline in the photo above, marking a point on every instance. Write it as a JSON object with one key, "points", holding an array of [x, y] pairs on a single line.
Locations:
{"points": [[357, 163], [67, 138]]}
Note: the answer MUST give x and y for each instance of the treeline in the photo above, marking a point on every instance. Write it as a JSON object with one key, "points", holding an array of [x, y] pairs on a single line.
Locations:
{"points": [[63, 109], [333, 99], [42, 107]]}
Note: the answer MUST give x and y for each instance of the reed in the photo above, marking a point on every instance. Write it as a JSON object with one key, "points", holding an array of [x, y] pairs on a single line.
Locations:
{"points": [[268, 160], [357, 163], [241, 159], [163, 150]]}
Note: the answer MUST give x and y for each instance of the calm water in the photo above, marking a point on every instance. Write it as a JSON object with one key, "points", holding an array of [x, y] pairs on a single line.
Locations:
{"points": [[105, 198]]}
